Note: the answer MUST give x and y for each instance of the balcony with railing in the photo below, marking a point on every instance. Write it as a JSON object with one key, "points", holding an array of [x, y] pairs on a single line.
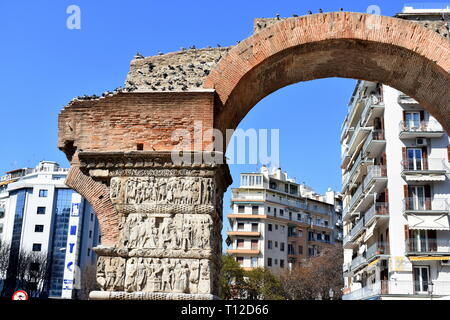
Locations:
{"points": [[425, 205], [432, 289], [427, 246], [423, 129], [377, 210], [359, 226], [424, 169], [356, 196], [374, 107], [375, 172], [377, 249], [374, 143], [358, 262]]}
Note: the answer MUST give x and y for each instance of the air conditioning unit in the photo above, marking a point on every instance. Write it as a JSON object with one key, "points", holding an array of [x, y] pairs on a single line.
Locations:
{"points": [[445, 263], [421, 142]]}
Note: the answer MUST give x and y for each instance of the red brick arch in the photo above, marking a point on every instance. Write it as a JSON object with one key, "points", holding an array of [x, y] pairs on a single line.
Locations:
{"points": [[398, 53]]}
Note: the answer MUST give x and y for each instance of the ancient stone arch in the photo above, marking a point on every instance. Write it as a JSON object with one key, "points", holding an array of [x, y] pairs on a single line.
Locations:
{"points": [[161, 220]]}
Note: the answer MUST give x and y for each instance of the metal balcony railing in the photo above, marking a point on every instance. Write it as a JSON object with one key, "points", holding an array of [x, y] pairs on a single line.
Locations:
{"points": [[358, 226], [375, 101], [420, 126], [373, 172], [376, 135], [357, 262], [377, 209], [386, 287], [356, 195], [425, 204], [376, 249], [427, 246], [424, 164]]}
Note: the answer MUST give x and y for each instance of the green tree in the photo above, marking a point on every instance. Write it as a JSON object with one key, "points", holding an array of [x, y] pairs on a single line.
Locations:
{"points": [[231, 278], [262, 284]]}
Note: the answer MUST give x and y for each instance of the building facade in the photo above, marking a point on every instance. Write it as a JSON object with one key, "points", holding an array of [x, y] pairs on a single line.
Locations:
{"points": [[396, 195], [277, 223], [39, 213]]}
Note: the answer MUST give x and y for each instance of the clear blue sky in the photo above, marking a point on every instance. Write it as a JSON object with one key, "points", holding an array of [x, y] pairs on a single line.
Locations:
{"points": [[44, 65]]}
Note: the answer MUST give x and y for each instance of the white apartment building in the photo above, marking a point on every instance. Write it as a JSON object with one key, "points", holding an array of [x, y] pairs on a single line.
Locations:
{"points": [[38, 212], [396, 197], [277, 223]]}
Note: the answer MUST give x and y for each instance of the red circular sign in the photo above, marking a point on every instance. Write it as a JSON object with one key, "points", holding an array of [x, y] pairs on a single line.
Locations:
{"points": [[20, 295]]}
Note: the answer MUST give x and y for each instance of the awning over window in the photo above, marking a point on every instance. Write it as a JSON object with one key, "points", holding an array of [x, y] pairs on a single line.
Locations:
{"points": [[428, 222], [425, 177]]}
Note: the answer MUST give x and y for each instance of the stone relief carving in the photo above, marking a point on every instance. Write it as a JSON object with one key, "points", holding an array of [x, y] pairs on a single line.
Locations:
{"points": [[110, 273], [164, 190], [168, 275], [179, 232]]}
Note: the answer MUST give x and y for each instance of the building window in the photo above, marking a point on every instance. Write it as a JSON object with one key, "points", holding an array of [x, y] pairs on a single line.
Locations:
{"points": [[39, 228], [89, 252], [276, 261], [269, 244], [240, 260], [269, 262], [299, 217], [240, 226], [240, 243], [40, 210], [281, 246], [43, 193], [269, 227], [254, 262], [274, 212], [92, 217], [268, 209], [281, 212], [254, 244], [37, 247], [90, 234], [254, 227], [276, 244], [241, 209], [421, 279], [300, 249], [281, 263], [276, 227], [300, 233], [255, 209]]}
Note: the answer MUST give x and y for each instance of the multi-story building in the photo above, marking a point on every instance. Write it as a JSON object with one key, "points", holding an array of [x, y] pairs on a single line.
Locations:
{"points": [[277, 223], [39, 213], [396, 196]]}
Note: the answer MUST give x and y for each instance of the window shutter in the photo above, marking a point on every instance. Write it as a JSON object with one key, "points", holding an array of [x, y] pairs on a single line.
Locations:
{"points": [[425, 158], [422, 115], [405, 193], [428, 197], [404, 157]]}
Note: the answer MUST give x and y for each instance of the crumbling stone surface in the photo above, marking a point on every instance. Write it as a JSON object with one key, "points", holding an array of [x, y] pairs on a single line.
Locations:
{"points": [[176, 71]]}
